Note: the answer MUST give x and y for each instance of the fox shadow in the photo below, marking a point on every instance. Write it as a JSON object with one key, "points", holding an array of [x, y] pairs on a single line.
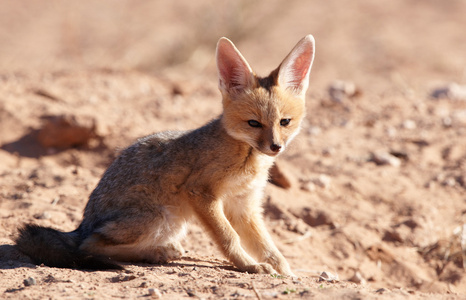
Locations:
{"points": [[12, 258], [200, 263]]}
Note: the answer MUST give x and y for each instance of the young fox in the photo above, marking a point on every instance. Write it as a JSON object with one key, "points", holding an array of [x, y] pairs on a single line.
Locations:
{"points": [[140, 209]]}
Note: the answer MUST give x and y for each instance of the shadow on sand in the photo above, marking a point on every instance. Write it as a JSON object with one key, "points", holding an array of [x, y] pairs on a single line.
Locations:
{"points": [[12, 258], [26, 146]]}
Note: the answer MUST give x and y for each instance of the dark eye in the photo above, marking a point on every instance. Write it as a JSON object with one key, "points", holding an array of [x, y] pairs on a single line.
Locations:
{"points": [[254, 123], [285, 122]]}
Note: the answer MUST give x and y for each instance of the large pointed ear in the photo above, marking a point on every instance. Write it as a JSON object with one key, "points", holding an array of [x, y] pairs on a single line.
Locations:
{"points": [[295, 69], [234, 72]]}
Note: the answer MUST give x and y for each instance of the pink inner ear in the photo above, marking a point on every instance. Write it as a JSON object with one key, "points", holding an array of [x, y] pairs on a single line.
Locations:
{"points": [[301, 66], [233, 70], [226, 65], [231, 73], [294, 70], [225, 69]]}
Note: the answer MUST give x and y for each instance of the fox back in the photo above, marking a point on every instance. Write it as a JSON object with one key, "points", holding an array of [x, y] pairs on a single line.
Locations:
{"points": [[145, 200]]}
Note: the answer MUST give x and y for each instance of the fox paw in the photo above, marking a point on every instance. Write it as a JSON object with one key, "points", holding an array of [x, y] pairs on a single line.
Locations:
{"points": [[165, 254], [262, 268], [284, 269]]}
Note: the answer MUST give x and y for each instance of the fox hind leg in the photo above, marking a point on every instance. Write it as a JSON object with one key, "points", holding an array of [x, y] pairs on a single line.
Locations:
{"points": [[142, 237]]}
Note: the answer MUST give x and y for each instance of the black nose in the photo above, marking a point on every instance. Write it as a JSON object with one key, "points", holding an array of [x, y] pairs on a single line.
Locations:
{"points": [[275, 147]]}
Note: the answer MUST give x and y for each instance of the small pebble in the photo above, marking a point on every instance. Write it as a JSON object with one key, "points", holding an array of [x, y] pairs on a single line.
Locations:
{"points": [[155, 293], [43, 216], [327, 276], [122, 278], [30, 281], [357, 278], [450, 181], [314, 130], [391, 131], [452, 91], [308, 186], [339, 90], [323, 181], [272, 294], [329, 151], [447, 122], [409, 124], [381, 291], [55, 200], [385, 158]]}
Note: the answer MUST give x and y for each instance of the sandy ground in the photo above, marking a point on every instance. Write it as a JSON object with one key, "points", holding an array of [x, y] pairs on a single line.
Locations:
{"points": [[378, 178]]}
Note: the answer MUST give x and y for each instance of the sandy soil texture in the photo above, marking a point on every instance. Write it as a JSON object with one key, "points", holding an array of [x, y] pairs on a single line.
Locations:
{"points": [[377, 176]]}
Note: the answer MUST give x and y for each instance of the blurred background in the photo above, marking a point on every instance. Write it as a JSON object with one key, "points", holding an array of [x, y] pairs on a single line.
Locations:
{"points": [[414, 39]]}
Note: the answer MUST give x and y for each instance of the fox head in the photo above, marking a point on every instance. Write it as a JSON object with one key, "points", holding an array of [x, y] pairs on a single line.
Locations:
{"points": [[265, 112]]}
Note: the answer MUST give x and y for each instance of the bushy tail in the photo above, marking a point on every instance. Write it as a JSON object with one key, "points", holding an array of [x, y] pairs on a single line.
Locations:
{"points": [[59, 249]]}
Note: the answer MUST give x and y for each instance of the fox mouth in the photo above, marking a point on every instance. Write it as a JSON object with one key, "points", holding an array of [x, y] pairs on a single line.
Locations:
{"points": [[272, 154], [269, 152]]}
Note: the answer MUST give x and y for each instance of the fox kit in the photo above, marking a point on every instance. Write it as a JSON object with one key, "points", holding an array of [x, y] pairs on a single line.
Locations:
{"points": [[140, 209]]}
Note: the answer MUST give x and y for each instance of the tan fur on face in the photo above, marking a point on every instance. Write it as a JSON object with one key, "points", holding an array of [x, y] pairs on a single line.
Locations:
{"points": [[268, 107]]}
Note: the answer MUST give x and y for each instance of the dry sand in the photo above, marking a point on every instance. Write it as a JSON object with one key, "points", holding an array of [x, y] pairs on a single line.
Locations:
{"points": [[378, 178]]}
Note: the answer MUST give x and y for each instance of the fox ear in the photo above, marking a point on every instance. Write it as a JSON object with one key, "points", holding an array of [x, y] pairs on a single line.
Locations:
{"points": [[294, 71], [234, 72]]}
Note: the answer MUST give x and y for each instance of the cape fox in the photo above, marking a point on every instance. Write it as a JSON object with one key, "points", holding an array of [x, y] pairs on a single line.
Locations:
{"points": [[141, 207]]}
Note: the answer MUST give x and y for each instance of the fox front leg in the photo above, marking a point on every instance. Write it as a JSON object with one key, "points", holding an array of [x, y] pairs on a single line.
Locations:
{"points": [[212, 216], [255, 237]]}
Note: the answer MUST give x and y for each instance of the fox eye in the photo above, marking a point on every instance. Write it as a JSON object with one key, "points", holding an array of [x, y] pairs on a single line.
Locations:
{"points": [[254, 123], [285, 122]]}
